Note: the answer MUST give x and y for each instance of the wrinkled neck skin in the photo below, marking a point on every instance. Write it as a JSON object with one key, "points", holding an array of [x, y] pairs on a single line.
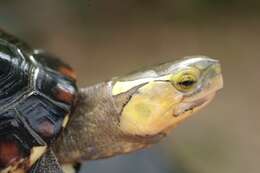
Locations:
{"points": [[93, 132]]}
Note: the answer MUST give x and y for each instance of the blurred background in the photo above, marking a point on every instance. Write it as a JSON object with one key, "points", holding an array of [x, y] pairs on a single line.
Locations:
{"points": [[102, 38]]}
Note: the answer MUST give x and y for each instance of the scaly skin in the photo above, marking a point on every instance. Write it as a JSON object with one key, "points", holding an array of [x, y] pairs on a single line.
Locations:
{"points": [[132, 112]]}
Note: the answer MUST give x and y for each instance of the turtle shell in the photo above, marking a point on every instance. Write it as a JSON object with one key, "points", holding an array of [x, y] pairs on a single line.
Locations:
{"points": [[37, 96]]}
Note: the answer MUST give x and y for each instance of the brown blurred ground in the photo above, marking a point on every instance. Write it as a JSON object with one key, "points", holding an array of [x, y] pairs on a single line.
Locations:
{"points": [[101, 39]]}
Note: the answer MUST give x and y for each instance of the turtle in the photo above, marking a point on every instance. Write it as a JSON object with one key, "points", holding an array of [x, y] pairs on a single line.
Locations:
{"points": [[50, 125]]}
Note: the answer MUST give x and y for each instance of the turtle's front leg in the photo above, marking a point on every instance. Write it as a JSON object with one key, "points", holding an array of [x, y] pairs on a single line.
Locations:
{"points": [[135, 111]]}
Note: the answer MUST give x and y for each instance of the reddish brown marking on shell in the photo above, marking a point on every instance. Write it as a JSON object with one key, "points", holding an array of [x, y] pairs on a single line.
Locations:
{"points": [[9, 153], [46, 128], [69, 72], [65, 95]]}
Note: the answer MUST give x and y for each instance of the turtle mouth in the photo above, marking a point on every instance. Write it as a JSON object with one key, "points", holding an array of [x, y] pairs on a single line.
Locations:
{"points": [[202, 102], [193, 106]]}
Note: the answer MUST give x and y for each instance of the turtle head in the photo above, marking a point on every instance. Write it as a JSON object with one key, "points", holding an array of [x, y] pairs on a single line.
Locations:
{"points": [[167, 94], [131, 112]]}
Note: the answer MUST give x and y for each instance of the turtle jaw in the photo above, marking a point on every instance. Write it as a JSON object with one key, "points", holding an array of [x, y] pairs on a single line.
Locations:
{"points": [[193, 106]]}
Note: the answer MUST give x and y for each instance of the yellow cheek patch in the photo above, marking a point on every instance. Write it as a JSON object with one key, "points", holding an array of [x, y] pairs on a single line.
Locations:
{"points": [[150, 111]]}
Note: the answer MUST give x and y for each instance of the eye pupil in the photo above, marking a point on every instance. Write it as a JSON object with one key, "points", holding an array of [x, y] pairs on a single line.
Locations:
{"points": [[187, 83]]}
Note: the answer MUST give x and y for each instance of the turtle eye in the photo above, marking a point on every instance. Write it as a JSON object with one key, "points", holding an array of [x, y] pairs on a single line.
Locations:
{"points": [[186, 80]]}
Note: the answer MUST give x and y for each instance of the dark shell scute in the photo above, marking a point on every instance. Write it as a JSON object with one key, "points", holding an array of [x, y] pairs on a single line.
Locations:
{"points": [[14, 74], [43, 116], [57, 88], [54, 64]]}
